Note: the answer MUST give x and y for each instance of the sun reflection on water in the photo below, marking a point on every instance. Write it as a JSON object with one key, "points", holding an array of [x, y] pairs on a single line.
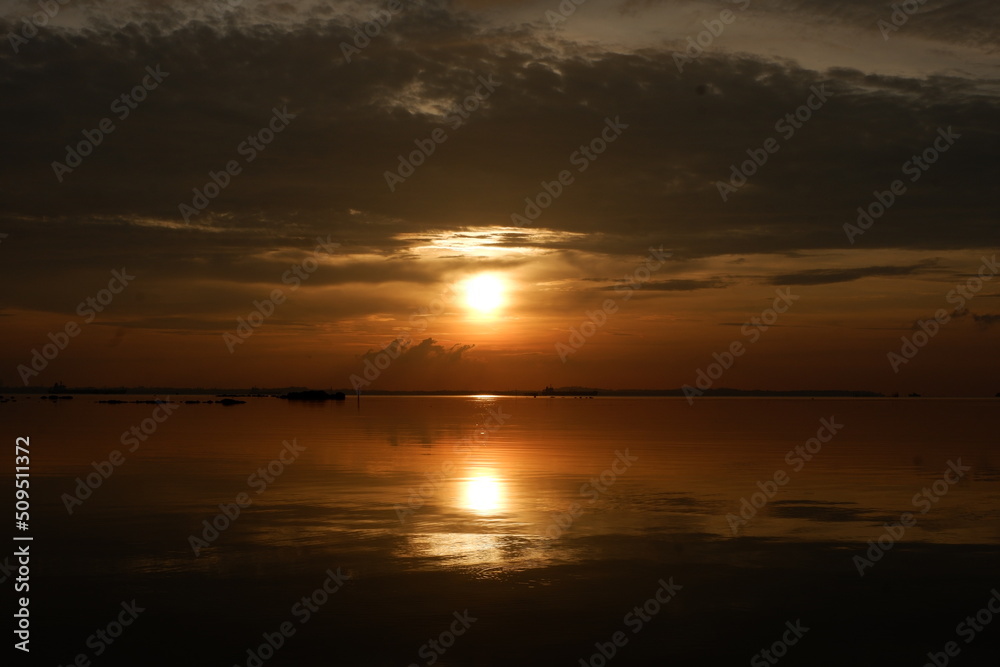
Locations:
{"points": [[483, 494]]}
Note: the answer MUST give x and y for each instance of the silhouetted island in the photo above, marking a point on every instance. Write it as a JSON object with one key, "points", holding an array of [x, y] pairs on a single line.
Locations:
{"points": [[160, 401], [314, 395]]}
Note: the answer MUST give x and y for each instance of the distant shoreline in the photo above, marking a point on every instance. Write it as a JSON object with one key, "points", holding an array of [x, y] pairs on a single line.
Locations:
{"points": [[560, 392]]}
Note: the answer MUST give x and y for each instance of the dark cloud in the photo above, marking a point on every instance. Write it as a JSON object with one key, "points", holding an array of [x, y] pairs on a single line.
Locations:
{"points": [[680, 285], [962, 22], [830, 276], [353, 120], [430, 351], [426, 351]]}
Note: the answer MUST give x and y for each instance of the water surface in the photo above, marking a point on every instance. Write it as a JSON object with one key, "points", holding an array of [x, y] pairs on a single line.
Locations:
{"points": [[549, 518]]}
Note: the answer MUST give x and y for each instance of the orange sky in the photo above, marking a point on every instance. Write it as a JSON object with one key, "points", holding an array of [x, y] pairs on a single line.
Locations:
{"points": [[474, 138]]}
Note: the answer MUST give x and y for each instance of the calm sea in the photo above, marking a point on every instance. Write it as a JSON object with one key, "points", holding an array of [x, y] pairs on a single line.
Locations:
{"points": [[632, 531]]}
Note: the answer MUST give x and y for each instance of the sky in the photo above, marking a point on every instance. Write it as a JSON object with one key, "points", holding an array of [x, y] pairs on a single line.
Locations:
{"points": [[633, 189]]}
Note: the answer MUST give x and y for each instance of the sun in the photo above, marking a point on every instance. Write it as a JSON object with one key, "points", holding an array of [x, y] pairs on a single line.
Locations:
{"points": [[484, 293]]}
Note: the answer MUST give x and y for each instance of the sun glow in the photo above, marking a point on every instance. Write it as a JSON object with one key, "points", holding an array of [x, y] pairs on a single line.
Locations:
{"points": [[483, 494], [484, 293]]}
